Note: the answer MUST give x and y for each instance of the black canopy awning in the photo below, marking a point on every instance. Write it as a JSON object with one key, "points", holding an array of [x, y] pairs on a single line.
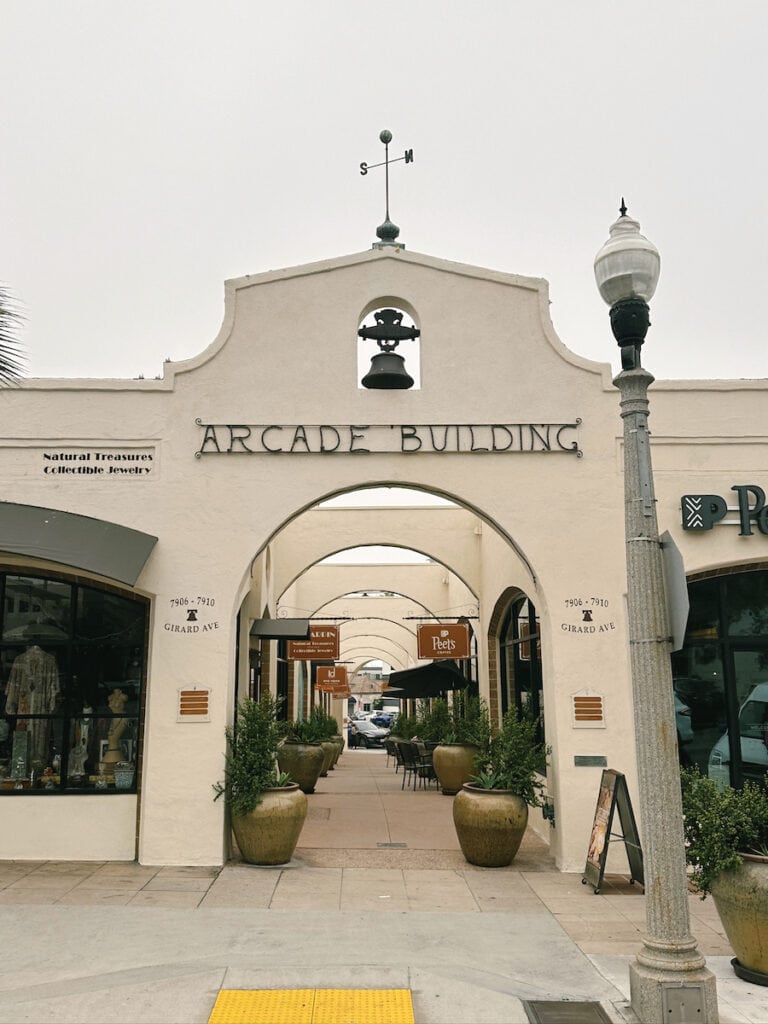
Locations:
{"points": [[426, 681], [281, 629], [96, 545]]}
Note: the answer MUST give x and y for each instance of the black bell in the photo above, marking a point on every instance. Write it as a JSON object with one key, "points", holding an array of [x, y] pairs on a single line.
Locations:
{"points": [[387, 372]]}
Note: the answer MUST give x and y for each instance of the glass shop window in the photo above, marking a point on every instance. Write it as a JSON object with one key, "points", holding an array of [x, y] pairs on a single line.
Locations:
{"points": [[71, 675], [720, 678], [521, 676]]}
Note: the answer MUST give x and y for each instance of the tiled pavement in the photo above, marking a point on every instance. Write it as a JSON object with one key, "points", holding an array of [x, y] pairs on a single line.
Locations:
{"points": [[370, 848], [342, 864]]}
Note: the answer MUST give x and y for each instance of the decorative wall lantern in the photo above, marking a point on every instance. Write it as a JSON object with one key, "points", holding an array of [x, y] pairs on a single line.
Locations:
{"points": [[388, 370]]}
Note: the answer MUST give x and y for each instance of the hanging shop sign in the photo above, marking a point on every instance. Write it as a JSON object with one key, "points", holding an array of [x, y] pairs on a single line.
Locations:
{"points": [[323, 645], [703, 511], [442, 641], [382, 438], [331, 676]]}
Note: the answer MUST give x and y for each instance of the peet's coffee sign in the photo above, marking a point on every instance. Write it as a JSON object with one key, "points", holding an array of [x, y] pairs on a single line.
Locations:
{"points": [[442, 641], [379, 438], [703, 511]]}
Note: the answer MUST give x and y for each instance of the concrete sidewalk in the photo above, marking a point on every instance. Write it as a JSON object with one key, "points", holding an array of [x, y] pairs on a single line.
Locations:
{"points": [[378, 896]]}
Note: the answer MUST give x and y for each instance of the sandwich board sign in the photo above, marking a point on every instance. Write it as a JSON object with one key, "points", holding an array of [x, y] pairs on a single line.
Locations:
{"points": [[613, 796]]}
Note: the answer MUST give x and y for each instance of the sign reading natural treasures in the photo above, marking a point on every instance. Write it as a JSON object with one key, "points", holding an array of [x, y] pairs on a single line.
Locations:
{"points": [[442, 641], [322, 645], [382, 438]]}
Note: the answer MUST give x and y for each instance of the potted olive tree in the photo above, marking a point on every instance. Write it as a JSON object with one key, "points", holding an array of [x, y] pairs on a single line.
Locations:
{"points": [[490, 812], [327, 729], [267, 809], [726, 836], [462, 732]]}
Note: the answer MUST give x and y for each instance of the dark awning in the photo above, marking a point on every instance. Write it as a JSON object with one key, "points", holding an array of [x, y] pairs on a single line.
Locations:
{"points": [[281, 629], [426, 681], [96, 545]]}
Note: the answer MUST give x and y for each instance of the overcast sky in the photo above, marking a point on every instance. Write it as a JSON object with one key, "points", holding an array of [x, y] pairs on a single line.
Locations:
{"points": [[150, 150]]}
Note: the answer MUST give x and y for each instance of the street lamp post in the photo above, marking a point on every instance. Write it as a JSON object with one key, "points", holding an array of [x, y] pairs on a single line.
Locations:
{"points": [[669, 980]]}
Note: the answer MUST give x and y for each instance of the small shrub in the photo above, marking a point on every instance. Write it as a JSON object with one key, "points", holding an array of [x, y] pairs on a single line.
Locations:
{"points": [[719, 823], [250, 763], [514, 759]]}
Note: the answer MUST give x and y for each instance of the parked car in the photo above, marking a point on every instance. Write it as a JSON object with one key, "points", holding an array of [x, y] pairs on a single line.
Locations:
{"points": [[383, 718], [753, 733], [683, 720], [365, 733]]}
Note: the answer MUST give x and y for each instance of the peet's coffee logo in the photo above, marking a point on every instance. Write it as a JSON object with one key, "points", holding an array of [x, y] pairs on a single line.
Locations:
{"points": [[703, 511], [403, 438]]}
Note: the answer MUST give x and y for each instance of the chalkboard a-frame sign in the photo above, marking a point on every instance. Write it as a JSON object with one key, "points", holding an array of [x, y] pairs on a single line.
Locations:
{"points": [[613, 796]]}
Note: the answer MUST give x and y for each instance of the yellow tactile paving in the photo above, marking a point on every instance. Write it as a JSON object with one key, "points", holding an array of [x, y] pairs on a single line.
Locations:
{"points": [[263, 1006], [313, 1006], [363, 1006]]}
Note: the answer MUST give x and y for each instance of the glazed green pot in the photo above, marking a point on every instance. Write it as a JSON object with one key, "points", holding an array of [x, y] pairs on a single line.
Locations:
{"points": [[269, 834], [303, 762], [454, 764], [741, 898], [490, 824]]}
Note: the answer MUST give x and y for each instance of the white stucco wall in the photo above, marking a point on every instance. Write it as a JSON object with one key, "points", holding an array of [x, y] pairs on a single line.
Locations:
{"points": [[552, 523]]}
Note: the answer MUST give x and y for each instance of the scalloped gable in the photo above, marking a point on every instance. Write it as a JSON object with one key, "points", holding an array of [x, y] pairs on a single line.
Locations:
{"points": [[375, 262]]}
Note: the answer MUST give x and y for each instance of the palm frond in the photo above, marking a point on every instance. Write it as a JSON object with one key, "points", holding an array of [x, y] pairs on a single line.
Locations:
{"points": [[12, 355]]}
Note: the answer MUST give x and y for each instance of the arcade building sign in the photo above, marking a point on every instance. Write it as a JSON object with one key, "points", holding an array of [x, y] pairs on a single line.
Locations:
{"points": [[403, 438]]}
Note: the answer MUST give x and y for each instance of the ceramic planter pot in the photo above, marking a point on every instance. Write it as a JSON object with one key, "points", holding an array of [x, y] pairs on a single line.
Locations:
{"points": [[329, 749], [454, 764], [490, 824], [303, 762], [269, 834], [741, 898]]}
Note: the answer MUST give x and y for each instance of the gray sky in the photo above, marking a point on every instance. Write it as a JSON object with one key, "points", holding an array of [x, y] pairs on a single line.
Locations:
{"points": [[152, 149]]}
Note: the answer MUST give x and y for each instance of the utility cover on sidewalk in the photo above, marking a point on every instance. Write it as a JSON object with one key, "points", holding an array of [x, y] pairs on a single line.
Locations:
{"points": [[313, 1006], [564, 1012]]}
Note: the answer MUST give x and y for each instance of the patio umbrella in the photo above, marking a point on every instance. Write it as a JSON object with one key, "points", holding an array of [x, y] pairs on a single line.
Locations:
{"points": [[426, 681]]}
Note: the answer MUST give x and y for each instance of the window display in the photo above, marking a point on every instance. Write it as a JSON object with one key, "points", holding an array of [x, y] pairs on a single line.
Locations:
{"points": [[721, 678], [71, 672]]}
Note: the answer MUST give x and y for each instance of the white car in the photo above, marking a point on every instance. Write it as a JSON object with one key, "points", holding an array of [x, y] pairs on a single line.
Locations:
{"points": [[683, 721], [753, 730]]}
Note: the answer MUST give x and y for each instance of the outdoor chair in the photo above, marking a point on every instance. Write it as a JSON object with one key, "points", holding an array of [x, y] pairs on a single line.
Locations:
{"points": [[426, 770], [391, 748], [409, 757]]}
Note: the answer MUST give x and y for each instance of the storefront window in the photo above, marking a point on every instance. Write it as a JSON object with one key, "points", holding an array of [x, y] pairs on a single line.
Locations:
{"points": [[721, 679], [520, 662], [71, 671]]}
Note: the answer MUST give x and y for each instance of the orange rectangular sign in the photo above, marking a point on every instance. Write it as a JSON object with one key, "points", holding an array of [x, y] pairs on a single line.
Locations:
{"points": [[323, 645], [443, 641]]}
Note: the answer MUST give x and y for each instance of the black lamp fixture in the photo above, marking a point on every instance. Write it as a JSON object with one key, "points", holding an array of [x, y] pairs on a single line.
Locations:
{"points": [[627, 272], [388, 372]]}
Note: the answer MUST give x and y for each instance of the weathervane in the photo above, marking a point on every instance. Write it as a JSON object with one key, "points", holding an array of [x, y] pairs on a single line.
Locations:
{"points": [[387, 232]]}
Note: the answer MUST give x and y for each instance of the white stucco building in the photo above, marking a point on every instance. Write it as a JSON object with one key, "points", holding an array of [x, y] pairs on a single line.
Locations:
{"points": [[148, 524]]}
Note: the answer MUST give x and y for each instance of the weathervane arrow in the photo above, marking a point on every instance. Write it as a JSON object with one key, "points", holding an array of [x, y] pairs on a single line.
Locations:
{"points": [[387, 232]]}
